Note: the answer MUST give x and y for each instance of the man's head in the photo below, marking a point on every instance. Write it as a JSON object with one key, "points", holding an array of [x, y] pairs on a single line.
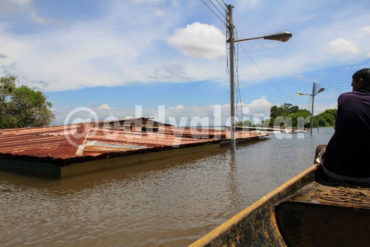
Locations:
{"points": [[361, 79]]}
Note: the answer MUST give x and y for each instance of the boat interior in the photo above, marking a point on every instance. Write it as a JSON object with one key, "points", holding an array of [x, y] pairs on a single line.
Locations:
{"points": [[325, 213]]}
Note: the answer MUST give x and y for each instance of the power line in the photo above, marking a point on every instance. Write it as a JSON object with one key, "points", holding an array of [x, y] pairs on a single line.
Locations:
{"points": [[338, 86], [219, 11], [209, 7], [238, 96], [308, 102], [341, 83], [227, 50], [302, 77], [263, 73], [227, 56], [222, 6], [238, 93]]}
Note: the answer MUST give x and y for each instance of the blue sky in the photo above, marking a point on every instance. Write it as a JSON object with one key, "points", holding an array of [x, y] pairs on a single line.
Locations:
{"points": [[112, 55]]}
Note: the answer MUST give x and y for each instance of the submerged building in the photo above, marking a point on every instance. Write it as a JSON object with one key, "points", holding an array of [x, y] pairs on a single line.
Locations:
{"points": [[67, 150]]}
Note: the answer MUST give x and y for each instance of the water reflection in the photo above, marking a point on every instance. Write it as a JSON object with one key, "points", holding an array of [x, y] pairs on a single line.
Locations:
{"points": [[73, 184], [232, 180]]}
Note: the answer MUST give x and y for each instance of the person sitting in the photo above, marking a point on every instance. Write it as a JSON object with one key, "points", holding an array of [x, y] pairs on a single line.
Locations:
{"points": [[347, 155]]}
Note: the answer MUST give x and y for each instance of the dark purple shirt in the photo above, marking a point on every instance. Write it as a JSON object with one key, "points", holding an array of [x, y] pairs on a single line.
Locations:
{"points": [[348, 151]]}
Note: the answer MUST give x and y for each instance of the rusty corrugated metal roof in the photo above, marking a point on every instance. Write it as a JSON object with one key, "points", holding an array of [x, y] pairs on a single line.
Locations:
{"points": [[73, 143]]}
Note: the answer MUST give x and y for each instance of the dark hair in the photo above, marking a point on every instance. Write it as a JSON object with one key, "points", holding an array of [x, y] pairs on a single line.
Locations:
{"points": [[364, 74]]}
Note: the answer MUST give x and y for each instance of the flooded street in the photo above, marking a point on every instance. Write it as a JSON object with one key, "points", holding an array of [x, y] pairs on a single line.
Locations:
{"points": [[164, 203]]}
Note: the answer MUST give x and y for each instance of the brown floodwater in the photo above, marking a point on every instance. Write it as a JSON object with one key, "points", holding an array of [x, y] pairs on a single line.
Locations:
{"points": [[169, 202]]}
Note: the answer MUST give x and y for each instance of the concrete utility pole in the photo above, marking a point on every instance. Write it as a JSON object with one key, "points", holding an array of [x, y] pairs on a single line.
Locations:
{"points": [[312, 95], [230, 28], [312, 104], [282, 36]]}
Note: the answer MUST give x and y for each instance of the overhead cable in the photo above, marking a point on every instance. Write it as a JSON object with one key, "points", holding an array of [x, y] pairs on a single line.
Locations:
{"points": [[222, 6], [223, 14], [263, 73], [209, 7], [238, 93]]}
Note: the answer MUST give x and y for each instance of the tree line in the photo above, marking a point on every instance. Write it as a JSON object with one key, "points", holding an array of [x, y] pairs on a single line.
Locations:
{"points": [[288, 115], [22, 106]]}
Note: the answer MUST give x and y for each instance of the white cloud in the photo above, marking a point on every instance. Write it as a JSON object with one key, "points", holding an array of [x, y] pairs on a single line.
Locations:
{"points": [[253, 2], [94, 52], [320, 107], [199, 40], [307, 18], [94, 55], [159, 12], [366, 30], [148, 1], [9, 7], [20, 2], [104, 107], [260, 106], [249, 3], [306, 55], [39, 19], [341, 46], [178, 107], [257, 110], [83, 55]]}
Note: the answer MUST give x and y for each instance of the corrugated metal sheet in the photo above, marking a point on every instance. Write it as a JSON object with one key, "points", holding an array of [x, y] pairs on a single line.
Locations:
{"points": [[92, 139]]}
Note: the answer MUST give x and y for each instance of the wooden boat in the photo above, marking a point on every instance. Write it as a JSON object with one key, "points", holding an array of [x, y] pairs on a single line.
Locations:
{"points": [[304, 211]]}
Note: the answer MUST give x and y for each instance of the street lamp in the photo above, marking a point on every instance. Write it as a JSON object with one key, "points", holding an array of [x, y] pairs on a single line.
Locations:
{"points": [[282, 36], [315, 91]]}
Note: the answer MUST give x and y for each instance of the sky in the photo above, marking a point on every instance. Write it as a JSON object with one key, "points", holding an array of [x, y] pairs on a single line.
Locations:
{"points": [[137, 57]]}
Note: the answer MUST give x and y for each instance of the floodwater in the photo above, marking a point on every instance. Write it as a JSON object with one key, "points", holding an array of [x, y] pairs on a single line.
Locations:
{"points": [[166, 203]]}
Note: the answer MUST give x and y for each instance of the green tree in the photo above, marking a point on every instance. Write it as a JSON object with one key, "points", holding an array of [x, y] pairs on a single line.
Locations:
{"points": [[22, 106], [276, 111], [244, 123], [300, 113], [286, 110], [326, 118]]}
